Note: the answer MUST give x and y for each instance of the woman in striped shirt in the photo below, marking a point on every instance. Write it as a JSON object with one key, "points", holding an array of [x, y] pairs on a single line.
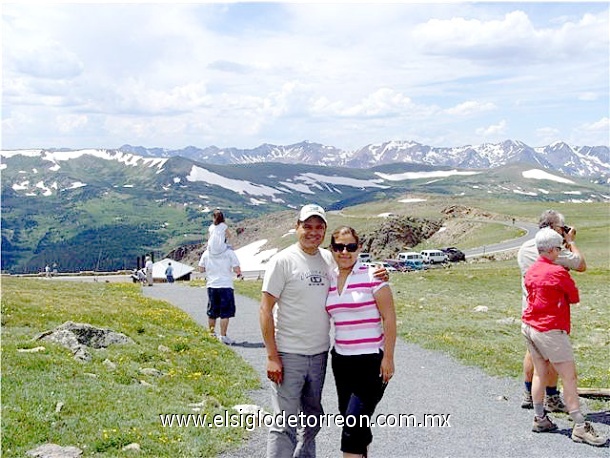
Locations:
{"points": [[362, 310]]}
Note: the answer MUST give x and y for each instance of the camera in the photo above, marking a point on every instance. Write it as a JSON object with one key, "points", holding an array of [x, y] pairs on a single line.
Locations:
{"points": [[566, 229]]}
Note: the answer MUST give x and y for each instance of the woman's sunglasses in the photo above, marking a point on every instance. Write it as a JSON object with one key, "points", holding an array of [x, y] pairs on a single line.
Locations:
{"points": [[339, 247]]}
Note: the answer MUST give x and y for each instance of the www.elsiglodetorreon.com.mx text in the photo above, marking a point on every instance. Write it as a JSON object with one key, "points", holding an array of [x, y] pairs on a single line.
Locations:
{"points": [[250, 421]]}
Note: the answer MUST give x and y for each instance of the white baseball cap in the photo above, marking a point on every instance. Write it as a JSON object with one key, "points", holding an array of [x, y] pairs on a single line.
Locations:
{"points": [[310, 210]]}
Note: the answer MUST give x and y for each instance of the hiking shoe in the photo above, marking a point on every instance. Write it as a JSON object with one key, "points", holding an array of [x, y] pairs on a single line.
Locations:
{"points": [[554, 403], [586, 434], [543, 425], [226, 340], [527, 402]]}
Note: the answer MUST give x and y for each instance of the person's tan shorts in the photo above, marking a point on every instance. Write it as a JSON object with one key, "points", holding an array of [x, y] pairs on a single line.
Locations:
{"points": [[553, 346]]}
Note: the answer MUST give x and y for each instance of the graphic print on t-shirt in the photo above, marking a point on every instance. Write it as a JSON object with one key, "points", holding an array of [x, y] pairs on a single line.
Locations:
{"points": [[315, 278]]}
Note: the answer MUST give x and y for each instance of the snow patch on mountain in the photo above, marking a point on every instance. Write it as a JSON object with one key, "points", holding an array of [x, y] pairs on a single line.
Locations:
{"points": [[21, 152], [538, 174], [238, 186], [298, 187], [312, 178], [412, 200], [525, 193], [251, 258], [55, 157], [418, 175]]}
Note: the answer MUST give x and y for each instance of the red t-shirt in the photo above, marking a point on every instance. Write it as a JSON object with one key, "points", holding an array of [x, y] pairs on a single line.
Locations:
{"points": [[550, 291]]}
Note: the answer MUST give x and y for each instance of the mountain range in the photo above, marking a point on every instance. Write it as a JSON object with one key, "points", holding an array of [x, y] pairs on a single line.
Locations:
{"points": [[99, 209], [579, 161]]}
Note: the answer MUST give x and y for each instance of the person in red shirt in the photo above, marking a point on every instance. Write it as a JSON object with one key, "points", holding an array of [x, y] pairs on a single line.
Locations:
{"points": [[546, 328]]}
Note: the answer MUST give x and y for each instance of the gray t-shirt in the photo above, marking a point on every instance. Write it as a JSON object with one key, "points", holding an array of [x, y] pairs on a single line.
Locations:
{"points": [[527, 255], [300, 282]]}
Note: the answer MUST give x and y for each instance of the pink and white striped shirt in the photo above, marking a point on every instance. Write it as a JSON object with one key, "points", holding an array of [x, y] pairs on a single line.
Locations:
{"points": [[354, 312]]}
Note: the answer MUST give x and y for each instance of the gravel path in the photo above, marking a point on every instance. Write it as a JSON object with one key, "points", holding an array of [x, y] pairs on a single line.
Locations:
{"points": [[485, 417]]}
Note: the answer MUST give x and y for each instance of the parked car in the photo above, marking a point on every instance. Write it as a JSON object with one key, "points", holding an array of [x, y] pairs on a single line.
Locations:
{"points": [[364, 257], [411, 259], [389, 267], [397, 265], [454, 255], [434, 256]]}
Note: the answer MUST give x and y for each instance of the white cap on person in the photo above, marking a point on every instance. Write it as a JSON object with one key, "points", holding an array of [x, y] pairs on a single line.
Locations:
{"points": [[310, 210]]}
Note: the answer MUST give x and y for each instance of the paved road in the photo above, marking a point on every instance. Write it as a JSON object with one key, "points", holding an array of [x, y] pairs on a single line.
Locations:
{"points": [[485, 417], [507, 245]]}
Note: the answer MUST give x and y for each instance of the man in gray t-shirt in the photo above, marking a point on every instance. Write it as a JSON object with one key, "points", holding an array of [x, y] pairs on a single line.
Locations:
{"points": [[571, 258], [295, 328]]}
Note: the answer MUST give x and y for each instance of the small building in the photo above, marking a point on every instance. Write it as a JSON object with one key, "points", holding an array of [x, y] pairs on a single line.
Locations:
{"points": [[181, 271]]}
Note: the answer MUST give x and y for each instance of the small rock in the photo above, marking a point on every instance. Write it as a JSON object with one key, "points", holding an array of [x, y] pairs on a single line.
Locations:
{"points": [[163, 349], [251, 409], [151, 371], [109, 365], [55, 451], [133, 447], [509, 320], [58, 407], [481, 308], [31, 350], [145, 383]]}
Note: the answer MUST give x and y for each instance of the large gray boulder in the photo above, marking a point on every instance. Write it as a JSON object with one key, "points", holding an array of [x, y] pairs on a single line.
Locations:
{"points": [[78, 337]]}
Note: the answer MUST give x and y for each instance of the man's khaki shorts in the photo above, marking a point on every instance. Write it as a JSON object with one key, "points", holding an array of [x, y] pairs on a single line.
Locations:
{"points": [[553, 346]]}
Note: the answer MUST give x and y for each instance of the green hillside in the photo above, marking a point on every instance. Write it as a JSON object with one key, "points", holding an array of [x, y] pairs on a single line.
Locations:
{"points": [[89, 213]]}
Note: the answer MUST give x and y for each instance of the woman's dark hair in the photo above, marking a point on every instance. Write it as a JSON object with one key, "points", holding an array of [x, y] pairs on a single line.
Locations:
{"points": [[218, 217], [345, 230]]}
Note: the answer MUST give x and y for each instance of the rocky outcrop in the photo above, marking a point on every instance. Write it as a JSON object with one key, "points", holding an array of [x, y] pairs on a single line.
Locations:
{"points": [[78, 337], [396, 234]]}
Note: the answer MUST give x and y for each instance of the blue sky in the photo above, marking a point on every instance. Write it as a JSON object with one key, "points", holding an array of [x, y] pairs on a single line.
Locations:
{"points": [[85, 75]]}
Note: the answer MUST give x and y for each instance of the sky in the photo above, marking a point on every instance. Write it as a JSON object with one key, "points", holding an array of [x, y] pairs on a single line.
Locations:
{"points": [[86, 75]]}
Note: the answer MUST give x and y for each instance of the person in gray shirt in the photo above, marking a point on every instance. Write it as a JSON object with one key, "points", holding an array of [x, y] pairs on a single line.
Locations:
{"points": [[571, 258]]}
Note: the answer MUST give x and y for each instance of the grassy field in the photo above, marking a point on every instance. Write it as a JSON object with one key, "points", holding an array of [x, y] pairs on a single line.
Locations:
{"points": [[103, 409], [435, 308]]}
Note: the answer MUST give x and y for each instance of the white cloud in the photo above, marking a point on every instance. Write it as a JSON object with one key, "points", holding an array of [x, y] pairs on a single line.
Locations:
{"points": [[547, 135], [593, 133], [70, 122], [588, 96], [493, 131], [470, 107], [242, 74]]}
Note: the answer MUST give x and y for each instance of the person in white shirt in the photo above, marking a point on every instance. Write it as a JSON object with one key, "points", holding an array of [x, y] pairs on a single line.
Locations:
{"points": [[148, 267], [219, 282]]}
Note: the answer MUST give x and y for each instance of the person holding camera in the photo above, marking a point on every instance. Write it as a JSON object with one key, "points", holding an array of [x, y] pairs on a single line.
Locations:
{"points": [[546, 326], [569, 257]]}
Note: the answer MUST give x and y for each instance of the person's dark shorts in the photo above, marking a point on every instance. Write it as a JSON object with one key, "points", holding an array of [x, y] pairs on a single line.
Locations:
{"points": [[221, 303]]}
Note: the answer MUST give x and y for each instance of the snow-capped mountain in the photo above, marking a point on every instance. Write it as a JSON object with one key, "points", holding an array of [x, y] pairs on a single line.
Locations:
{"points": [[66, 205], [581, 161]]}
